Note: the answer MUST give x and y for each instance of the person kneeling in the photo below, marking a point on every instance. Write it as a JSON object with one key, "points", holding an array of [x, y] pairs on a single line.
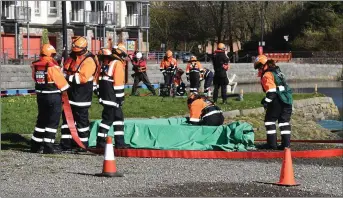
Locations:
{"points": [[203, 111]]}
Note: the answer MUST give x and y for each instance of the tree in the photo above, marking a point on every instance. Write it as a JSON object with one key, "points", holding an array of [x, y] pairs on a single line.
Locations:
{"points": [[45, 37]]}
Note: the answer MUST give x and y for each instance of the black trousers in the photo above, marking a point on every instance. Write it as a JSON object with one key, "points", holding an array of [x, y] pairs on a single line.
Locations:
{"points": [[111, 116], [80, 115], [49, 112], [194, 78], [223, 89], [168, 79], [141, 76], [281, 112], [207, 84], [213, 120]]}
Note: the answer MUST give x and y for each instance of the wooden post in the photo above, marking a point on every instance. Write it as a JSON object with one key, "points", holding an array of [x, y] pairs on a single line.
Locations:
{"points": [[315, 88]]}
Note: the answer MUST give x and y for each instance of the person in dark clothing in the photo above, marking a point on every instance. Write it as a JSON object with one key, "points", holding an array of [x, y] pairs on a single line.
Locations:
{"points": [[221, 65], [139, 67], [208, 77]]}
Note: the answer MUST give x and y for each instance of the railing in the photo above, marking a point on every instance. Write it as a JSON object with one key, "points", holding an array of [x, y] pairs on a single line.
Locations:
{"points": [[93, 18], [136, 20], [18, 13]]}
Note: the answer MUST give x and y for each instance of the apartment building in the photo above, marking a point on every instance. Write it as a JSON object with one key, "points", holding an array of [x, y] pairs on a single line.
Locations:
{"points": [[23, 22]]}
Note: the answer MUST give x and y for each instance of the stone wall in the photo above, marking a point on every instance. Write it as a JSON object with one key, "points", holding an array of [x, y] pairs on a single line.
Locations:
{"points": [[315, 109]]}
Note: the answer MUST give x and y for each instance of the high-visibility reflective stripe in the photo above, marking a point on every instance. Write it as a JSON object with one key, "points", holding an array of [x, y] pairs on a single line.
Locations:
{"points": [[271, 90], [212, 112], [106, 102], [194, 119], [269, 123], [194, 71], [49, 140], [64, 126], [119, 133], [118, 123], [83, 129], [80, 104], [104, 126], [51, 82], [120, 95], [66, 137], [111, 66], [77, 78], [55, 91], [51, 130], [65, 87], [163, 71], [37, 139], [71, 78], [283, 124], [84, 139], [39, 129], [271, 132], [109, 153], [281, 88], [285, 132], [91, 78], [119, 87], [102, 135], [267, 100], [107, 78]]}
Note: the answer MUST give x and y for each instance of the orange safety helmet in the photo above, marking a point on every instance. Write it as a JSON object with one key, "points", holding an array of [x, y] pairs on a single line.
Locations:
{"points": [[104, 52], [169, 53], [79, 44], [120, 49], [221, 46], [48, 50], [193, 58], [260, 61]]}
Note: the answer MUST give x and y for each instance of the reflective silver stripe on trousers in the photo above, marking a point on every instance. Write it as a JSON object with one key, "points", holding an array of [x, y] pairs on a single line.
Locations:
{"points": [[104, 126], [39, 130], [47, 140], [50, 130], [118, 123], [83, 129], [106, 102], [66, 137], [119, 133], [283, 124], [285, 132], [269, 123], [211, 113], [102, 135], [80, 104], [37, 139], [271, 132]]}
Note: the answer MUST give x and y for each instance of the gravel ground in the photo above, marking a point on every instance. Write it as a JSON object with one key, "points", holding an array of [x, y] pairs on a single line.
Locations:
{"points": [[25, 174]]}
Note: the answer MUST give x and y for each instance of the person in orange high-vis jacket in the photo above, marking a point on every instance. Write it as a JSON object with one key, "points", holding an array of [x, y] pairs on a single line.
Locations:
{"points": [[79, 70], [194, 71], [111, 96], [203, 111], [49, 83], [168, 67]]}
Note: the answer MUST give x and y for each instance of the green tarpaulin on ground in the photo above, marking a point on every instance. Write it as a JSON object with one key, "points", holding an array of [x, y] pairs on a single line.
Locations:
{"points": [[176, 134]]}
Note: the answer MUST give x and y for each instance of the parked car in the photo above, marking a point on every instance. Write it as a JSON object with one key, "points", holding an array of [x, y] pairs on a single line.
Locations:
{"points": [[186, 57]]}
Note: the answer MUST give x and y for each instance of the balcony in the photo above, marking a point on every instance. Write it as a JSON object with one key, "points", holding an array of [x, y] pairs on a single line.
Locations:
{"points": [[92, 18], [16, 13], [135, 20]]}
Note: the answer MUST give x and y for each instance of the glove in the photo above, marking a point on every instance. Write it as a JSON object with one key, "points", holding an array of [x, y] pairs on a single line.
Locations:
{"points": [[264, 103]]}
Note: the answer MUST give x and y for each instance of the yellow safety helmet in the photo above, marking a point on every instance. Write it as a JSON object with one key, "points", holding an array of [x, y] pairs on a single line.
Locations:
{"points": [[221, 46], [48, 50], [79, 44], [260, 61], [120, 49], [169, 53]]}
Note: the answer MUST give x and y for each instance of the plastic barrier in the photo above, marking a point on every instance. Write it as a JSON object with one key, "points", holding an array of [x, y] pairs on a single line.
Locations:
{"points": [[280, 57]]}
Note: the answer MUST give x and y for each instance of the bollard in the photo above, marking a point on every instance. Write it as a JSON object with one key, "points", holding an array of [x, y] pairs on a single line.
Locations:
{"points": [[315, 88], [241, 95]]}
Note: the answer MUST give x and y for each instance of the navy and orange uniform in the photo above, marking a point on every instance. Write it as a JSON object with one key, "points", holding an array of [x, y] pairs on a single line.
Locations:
{"points": [[49, 83], [220, 65], [204, 112], [168, 68], [111, 97], [79, 71], [139, 66], [179, 84], [208, 77], [277, 102], [194, 72]]}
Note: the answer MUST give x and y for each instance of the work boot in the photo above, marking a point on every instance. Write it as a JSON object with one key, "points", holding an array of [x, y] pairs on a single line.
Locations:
{"points": [[120, 142], [51, 149], [36, 147], [272, 141], [285, 141], [100, 142]]}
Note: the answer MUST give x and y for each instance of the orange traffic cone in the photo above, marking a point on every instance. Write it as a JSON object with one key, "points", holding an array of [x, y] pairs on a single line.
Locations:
{"points": [[109, 167], [287, 174]]}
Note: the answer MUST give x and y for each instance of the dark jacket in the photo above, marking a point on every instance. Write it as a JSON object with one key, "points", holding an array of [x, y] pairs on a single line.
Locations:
{"points": [[219, 61]]}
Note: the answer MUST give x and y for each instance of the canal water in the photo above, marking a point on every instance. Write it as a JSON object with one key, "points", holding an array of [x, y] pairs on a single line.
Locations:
{"points": [[333, 89]]}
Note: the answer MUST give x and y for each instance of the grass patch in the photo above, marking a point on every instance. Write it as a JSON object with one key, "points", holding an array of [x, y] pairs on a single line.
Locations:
{"points": [[19, 113]]}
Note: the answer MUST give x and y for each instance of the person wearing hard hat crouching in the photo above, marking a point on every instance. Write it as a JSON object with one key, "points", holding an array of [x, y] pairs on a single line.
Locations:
{"points": [[49, 83], [203, 111], [111, 97], [221, 65], [140, 67], [168, 68], [79, 69], [194, 71], [180, 87], [208, 77], [277, 102]]}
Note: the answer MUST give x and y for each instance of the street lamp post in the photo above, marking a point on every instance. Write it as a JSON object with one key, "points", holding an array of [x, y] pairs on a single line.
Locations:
{"points": [[64, 24]]}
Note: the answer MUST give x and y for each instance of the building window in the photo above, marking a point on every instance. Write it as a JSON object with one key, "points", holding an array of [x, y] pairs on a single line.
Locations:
{"points": [[52, 8], [108, 7], [37, 7]]}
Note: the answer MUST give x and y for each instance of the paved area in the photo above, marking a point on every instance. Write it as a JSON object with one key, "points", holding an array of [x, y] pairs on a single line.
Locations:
{"points": [[25, 174]]}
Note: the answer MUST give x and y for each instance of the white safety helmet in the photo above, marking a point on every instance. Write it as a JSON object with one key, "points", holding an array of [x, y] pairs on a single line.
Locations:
{"points": [[139, 55]]}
